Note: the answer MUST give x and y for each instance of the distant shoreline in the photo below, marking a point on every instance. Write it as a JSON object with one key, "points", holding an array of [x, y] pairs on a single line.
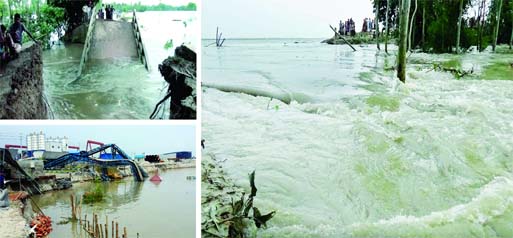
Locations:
{"points": [[267, 38]]}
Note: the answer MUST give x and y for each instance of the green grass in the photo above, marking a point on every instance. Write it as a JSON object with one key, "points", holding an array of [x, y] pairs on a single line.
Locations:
{"points": [[498, 71], [94, 196], [384, 102]]}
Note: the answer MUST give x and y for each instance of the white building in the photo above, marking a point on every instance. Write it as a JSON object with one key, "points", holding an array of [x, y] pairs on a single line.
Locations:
{"points": [[57, 144], [36, 141]]}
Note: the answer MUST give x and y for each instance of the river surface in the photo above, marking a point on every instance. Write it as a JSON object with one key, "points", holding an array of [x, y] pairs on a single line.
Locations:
{"points": [[341, 149], [153, 211], [118, 88]]}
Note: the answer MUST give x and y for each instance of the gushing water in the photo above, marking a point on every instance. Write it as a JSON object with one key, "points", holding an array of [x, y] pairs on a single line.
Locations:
{"points": [[118, 88], [342, 150]]}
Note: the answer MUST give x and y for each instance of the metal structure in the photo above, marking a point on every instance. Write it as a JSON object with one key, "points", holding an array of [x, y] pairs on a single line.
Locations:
{"points": [[15, 146], [85, 157], [89, 37], [90, 143], [141, 50], [16, 172]]}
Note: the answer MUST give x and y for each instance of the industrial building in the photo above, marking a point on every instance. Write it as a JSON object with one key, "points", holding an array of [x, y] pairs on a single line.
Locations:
{"points": [[176, 155], [39, 141]]}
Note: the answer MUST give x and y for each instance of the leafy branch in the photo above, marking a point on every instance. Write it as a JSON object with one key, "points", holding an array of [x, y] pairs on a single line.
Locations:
{"points": [[236, 219]]}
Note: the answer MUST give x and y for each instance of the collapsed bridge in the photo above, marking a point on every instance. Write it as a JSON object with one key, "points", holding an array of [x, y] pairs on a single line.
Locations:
{"points": [[86, 157], [112, 39]]}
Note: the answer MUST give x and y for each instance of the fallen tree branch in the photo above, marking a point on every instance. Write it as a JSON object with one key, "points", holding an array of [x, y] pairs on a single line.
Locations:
{"points": [[341, 37]]}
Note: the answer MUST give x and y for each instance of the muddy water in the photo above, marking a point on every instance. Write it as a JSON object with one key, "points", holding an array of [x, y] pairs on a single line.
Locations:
{"points": [[357, 154], [153, 211], [119, 88]]}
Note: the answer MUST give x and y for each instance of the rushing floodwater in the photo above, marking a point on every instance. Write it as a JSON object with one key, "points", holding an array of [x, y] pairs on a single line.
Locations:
{"points": [[357, 154], [153, 211], [117, 88]]}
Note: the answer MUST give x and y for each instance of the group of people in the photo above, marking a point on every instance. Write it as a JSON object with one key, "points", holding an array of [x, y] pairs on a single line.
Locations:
{"points": [[11, 39], [368, 25], [347, 28], [107, 13]]}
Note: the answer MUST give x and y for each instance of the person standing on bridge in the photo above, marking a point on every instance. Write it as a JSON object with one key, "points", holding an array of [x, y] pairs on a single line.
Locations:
{"points": [[85, 9], [101, 13], [16, 33]]}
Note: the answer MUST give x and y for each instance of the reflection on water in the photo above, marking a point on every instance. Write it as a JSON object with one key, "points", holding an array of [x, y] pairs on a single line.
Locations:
{"points": [[118, 88], [152, 210]]}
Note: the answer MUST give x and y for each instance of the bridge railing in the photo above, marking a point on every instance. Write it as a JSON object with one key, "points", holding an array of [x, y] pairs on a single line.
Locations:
{"points": [[89, 37], [141, 50]]}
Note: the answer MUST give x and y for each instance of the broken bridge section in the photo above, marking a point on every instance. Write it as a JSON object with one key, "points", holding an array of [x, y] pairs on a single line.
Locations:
{"points": [[107, 39], [113, 39]]}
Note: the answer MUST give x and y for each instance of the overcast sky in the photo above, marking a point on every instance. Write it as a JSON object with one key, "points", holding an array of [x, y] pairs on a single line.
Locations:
{"points": [[280, 18], [131, 139]]}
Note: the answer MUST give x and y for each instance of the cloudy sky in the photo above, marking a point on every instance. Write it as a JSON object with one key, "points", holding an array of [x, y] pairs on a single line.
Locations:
{"points": [[279, 18], [131, 139]]}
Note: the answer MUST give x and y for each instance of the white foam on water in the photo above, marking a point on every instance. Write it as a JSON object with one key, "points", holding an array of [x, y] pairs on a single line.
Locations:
{"points": [[344, 163], [480, 216]]}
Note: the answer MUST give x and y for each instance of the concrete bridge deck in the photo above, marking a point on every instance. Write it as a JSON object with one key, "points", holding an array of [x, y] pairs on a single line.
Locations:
{"points": [[113, 39]]}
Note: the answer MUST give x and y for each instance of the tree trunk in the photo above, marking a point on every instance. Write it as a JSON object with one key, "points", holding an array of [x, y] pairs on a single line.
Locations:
{"points": [[411, 27], [497, 24], [481, 24], [511, 38], [458, 31], [9, 2], [403, 38], [423, 24], [377, 23], [386, 28]]}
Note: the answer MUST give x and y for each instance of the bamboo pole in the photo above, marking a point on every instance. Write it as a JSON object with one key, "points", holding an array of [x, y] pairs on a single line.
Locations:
{"points": [[95, 224], [125, 235], [376, 21], [101, 231], [217, 36], [117, 230], [344, 39], [106, 227], [511, 37], [423, 24], [403, 38], [386, 27], [458, 31], [497, 25], [410, 43], [73, 215], [113, 229]]}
